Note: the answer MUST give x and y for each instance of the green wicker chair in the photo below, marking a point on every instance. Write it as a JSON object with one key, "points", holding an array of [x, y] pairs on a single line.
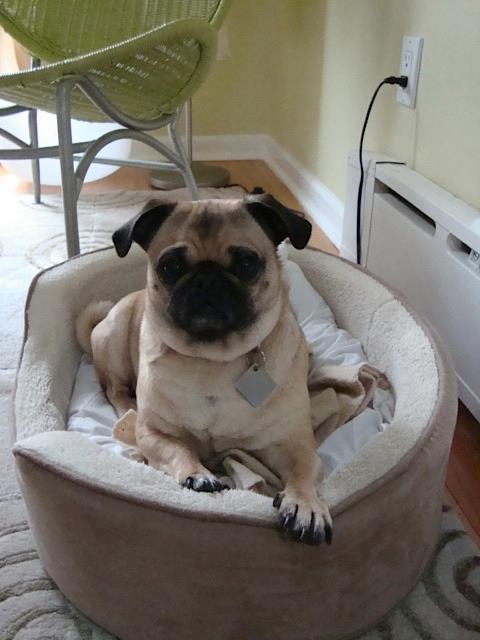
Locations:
{"points": [[132, 62]]}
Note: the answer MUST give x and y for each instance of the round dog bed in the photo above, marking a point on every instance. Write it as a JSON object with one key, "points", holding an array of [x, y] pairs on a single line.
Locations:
{"points": [[144, 558]]}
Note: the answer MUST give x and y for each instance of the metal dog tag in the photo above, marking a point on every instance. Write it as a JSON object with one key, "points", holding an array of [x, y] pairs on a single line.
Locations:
{"points": [[255, 385]]}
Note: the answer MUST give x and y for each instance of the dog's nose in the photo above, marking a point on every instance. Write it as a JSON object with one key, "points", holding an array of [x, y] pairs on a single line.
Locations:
{"points": [[206, 297], [208, 303], [208, 274], [209, 283]]}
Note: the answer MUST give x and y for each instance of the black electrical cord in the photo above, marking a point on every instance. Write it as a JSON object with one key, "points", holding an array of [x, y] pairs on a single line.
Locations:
{"points": [[402, 81]]}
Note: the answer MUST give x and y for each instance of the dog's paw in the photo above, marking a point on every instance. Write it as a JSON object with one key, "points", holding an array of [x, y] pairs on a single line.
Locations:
{"points": [[203, 482], [304, 520], [124, 429]]}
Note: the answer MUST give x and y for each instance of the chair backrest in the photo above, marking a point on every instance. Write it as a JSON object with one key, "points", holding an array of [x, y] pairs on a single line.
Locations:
{"points": [[58, 29]]}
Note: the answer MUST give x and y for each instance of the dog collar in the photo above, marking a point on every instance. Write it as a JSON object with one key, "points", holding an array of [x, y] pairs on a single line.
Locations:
{"points": [[256, 357]]}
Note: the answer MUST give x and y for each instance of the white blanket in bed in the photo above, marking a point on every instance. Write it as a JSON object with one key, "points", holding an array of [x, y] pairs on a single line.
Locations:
{"points": [[90, 412]]}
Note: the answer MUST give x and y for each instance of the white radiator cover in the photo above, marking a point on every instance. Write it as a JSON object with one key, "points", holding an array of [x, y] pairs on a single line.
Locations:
{"points": [[418, 237]]}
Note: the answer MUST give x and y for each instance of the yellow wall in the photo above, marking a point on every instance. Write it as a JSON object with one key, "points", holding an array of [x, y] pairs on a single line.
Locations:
{"points": [[236, 97], [303, 71]]}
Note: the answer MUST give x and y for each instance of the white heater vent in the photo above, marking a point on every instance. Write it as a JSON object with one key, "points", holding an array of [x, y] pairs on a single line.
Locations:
{"points": [[425, 243]]}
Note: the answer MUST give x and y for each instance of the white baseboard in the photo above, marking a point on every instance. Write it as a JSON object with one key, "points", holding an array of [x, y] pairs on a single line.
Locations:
{"points": [[321, 204], [346, 253]]}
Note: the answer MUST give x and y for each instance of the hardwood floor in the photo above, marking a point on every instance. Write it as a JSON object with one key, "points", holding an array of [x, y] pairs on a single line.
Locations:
{"points": [[248, 173], [463, 477]]}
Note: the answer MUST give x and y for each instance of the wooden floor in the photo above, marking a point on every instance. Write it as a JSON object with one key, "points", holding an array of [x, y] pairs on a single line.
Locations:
{"points": [[463, 477], [248, 173]]}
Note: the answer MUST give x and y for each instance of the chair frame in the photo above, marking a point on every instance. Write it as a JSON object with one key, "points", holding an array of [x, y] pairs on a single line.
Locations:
{"points": [[72, 179], [66, 150]]}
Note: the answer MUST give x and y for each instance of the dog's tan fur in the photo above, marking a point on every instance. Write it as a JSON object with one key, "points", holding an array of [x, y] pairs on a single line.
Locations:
{"points": [[188, 407]]}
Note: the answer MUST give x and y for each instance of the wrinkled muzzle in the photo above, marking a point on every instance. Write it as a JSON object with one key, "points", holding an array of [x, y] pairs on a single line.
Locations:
{"points": [[209, 304]]}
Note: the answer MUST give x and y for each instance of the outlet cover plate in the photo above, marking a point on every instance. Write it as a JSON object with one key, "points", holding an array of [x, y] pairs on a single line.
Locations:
{"points": [[410, 66]]}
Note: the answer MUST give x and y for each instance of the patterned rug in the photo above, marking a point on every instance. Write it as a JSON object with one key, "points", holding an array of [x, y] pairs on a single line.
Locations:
{"points": [[444, 606]]}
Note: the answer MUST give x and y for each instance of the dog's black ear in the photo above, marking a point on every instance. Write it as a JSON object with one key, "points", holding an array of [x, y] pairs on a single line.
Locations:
{"points": [[142, 227], [277, 221]]}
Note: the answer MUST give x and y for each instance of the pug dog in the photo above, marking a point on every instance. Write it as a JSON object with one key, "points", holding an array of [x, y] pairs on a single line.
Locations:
{"points": [[215, 311]]}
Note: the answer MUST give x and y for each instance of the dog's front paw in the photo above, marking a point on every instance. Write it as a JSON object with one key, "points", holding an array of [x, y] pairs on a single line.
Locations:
{"points": [[204, 482], [305, 520], [124, 429]]}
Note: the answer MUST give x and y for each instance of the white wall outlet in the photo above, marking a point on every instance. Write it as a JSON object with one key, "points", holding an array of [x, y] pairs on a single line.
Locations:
{"points": [[410, 66]]}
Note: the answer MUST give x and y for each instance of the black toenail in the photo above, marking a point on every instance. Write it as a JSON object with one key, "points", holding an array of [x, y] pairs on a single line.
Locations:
{"points": [[328, 534]]}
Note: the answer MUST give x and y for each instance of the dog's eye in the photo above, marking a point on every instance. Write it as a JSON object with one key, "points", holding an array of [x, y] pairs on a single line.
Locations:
{"points": [[246, 264], [171, 266]]}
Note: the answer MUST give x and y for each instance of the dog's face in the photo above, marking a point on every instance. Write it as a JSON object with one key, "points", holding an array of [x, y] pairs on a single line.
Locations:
{"points": [[214, 280]]}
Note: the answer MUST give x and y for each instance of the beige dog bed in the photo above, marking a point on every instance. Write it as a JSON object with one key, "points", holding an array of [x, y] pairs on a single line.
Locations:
{"points": [[147, 559]]}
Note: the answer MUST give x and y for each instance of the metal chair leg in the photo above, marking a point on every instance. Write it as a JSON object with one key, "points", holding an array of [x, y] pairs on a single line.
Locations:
{"points": [[188, 130], [179, 148], [69, 191], [204, 175], [33, 129]]}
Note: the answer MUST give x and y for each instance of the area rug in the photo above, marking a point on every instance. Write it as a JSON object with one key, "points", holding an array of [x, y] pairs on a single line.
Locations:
{"points": [[444, 606]]}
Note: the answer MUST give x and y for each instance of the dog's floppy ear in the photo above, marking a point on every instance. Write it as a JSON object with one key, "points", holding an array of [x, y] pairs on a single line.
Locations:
{"points": [[277, 221], [142, 227]]}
